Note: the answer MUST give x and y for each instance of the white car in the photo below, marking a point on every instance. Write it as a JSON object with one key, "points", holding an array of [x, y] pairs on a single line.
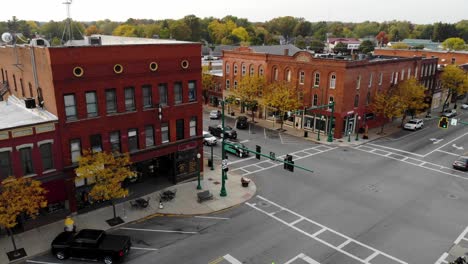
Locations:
{"points": [[215, 114], [449, 113], [208, 139], [414, 124], [464, 106]]}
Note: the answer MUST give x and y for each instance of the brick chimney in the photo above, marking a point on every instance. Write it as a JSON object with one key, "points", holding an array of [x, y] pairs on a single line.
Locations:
{"points": [[286, 52]]}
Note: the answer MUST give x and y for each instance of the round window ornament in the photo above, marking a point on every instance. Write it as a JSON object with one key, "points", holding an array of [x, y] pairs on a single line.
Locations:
{"points": [[78, 71], [118, 68], [184, 64], [153, 66]]}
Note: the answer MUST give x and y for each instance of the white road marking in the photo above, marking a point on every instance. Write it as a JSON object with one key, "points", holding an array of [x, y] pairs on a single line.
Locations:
{"points": [[407, 159], [240, 160], [457, 147], [303, 257], [231, 259], [40, 262], [442, 258], [281, 138], [453, 154], [446, 144], [264, 133], [397, 150], [462, 235], [212, 217], [149, 249], [324, 228], [157, 230]]}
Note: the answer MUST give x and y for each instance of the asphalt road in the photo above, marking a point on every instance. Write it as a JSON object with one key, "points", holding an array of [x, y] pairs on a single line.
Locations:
{"points": [[396, 200]]}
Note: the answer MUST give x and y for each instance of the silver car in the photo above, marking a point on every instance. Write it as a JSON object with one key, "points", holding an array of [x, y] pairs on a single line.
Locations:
{"points": [[414, 124]]}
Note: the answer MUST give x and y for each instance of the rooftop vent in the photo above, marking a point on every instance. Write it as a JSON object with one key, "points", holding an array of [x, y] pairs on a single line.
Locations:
{"points": [[95, 41], [30, 103]]}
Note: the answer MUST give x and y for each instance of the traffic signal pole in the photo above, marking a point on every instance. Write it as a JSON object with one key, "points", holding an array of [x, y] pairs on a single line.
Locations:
{"points": [[223, 192]]}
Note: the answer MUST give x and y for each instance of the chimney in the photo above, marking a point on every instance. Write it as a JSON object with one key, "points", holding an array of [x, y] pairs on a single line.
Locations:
{"points": [[286, 52]]}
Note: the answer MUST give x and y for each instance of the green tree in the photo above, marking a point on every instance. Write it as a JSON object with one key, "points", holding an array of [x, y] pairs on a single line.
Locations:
{"points": [[454, 44], [107, 171], [193, 23], [462, 28], [240, 33], [283, 97], [411, 97], [283, 26], [180, 30], [18, 196], [366, 29], [303, 28], [443, 31], [207, 81], [319, 30], [454, 81], [317, 46], [106, 26], [249, 90], [151, 30], [400, 45], [125, 30], [386, 105], [340, 47], [366, 46]]}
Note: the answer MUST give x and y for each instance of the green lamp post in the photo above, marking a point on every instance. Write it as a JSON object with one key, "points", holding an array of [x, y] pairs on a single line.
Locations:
{"points": [[198, 171]]}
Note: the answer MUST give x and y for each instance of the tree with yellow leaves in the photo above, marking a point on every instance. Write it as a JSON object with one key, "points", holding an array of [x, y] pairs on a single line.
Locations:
{"points": [[282, 96], [108, 171], [387, 105], [207, 81], [17, 196], [411, 97], [249, 90], [455, 81]]}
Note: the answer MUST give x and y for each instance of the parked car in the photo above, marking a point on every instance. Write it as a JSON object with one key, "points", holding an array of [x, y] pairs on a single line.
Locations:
{"points": [[215, 114], [461, 163], [464, 106], [449, 113], [91, 244], [236, 148], [208, 139], [414, 124], [242, 122], [218, 130]]}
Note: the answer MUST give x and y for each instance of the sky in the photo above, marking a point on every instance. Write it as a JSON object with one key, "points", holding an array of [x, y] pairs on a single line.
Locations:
{"points": [[415, 11]]}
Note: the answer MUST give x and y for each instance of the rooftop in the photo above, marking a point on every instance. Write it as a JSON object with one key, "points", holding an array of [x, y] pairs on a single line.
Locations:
{"points": [[15, 114], [106, 40]]}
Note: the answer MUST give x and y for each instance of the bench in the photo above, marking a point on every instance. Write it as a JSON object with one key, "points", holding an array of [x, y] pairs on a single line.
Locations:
{"points": [[204, 196]]}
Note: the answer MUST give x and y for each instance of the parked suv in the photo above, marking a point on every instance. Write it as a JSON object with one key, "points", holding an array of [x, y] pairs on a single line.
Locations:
{"points": [[414, 124], [215, 114], [242, 122]]}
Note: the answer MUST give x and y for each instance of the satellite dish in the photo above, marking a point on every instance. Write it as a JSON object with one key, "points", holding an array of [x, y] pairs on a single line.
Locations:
{"points": [[7, 37]]}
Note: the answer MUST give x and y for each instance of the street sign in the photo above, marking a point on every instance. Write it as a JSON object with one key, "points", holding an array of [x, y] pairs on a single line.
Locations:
{"points": [[453, 121]]}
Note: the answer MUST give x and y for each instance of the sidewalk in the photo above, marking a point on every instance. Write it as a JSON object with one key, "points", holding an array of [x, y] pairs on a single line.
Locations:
{"points": [[38, 240], [373, 133]]}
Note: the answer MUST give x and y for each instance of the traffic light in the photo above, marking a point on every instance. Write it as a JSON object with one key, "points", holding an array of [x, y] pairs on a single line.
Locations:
{"points": [[290, 163], [443, 122], [258, 149]]}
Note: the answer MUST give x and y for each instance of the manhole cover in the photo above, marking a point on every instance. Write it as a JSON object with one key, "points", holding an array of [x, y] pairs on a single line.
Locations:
{"points": [[452, 196], [216, 182], [264, 204]]}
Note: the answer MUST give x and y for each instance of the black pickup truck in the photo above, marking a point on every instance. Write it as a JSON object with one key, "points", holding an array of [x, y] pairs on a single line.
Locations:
{"points": [[91, 244], [218, 130]]}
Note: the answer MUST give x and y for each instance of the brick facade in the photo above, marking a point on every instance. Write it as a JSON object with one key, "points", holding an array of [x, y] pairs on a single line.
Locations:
{"points": [[346, 74]]}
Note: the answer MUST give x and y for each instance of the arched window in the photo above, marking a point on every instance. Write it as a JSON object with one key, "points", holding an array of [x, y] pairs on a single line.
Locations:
{"points": [[235, 69], [260, 70], [358, 82], [252, 70], [287, 75], [228, 84], [275, 74], [243, 69], [235, 84], [331, 100], [228, 69], [301, 77], [316, 79], [356, 100], [315, 100], [332, 81]]}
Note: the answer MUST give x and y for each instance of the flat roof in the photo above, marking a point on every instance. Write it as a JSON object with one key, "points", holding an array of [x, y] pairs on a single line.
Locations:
{"points": [[107, 40], [15, 114]]}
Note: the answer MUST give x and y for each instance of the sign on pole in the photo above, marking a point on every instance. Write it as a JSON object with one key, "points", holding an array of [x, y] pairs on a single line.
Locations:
{"points": [[453, 121], [224, 164]]}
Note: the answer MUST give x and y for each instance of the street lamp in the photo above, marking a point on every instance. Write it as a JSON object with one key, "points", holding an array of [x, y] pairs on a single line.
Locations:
{"points": [[357, 127], [198, 171], [223, 192]]}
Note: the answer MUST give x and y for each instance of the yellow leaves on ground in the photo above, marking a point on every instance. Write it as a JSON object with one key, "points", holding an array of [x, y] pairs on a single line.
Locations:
{"points": [[20, 195]]}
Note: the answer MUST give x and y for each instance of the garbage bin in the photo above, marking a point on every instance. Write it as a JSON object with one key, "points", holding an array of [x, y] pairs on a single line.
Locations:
{"points": [[245, 182], [210, 162], [306, 133]]}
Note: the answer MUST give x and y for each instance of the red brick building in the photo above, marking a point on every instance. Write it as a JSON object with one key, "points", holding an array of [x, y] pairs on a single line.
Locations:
{"points": [[445, 57], [141, 96], [350, 83]]}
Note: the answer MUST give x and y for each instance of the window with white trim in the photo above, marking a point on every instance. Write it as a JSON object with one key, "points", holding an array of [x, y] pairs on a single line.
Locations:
{"points": [[301, 77], [260, 71], [192, 91], [5, 165], [316, 79], [331, 99], [26, 160], [162, 87], [409, 73], [416, 72], [288, 75], [235, 84], [228, 84], [164, 132], [235, 69], [358, 82], [70, 106], [96, 143], [129, 99], [315, 100], [75, 150], [332, 81], [402, 74], [132, 139], [111, 101], [275, 74], [370, 79], [177, 93], [193, 126], [228, 69], [147, 93], [243, 69], [91, 104], [396, 78], [149, 136], [114, 138], [380, 78], [252, 70]]}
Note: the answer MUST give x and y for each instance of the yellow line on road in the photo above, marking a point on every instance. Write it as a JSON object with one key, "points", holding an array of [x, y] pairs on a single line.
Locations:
{"points": [[216, 261]]}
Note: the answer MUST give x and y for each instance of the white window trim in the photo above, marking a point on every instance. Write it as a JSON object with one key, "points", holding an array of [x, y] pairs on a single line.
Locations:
{"points": [[47, 141], [10, 149], [29, 145]]}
